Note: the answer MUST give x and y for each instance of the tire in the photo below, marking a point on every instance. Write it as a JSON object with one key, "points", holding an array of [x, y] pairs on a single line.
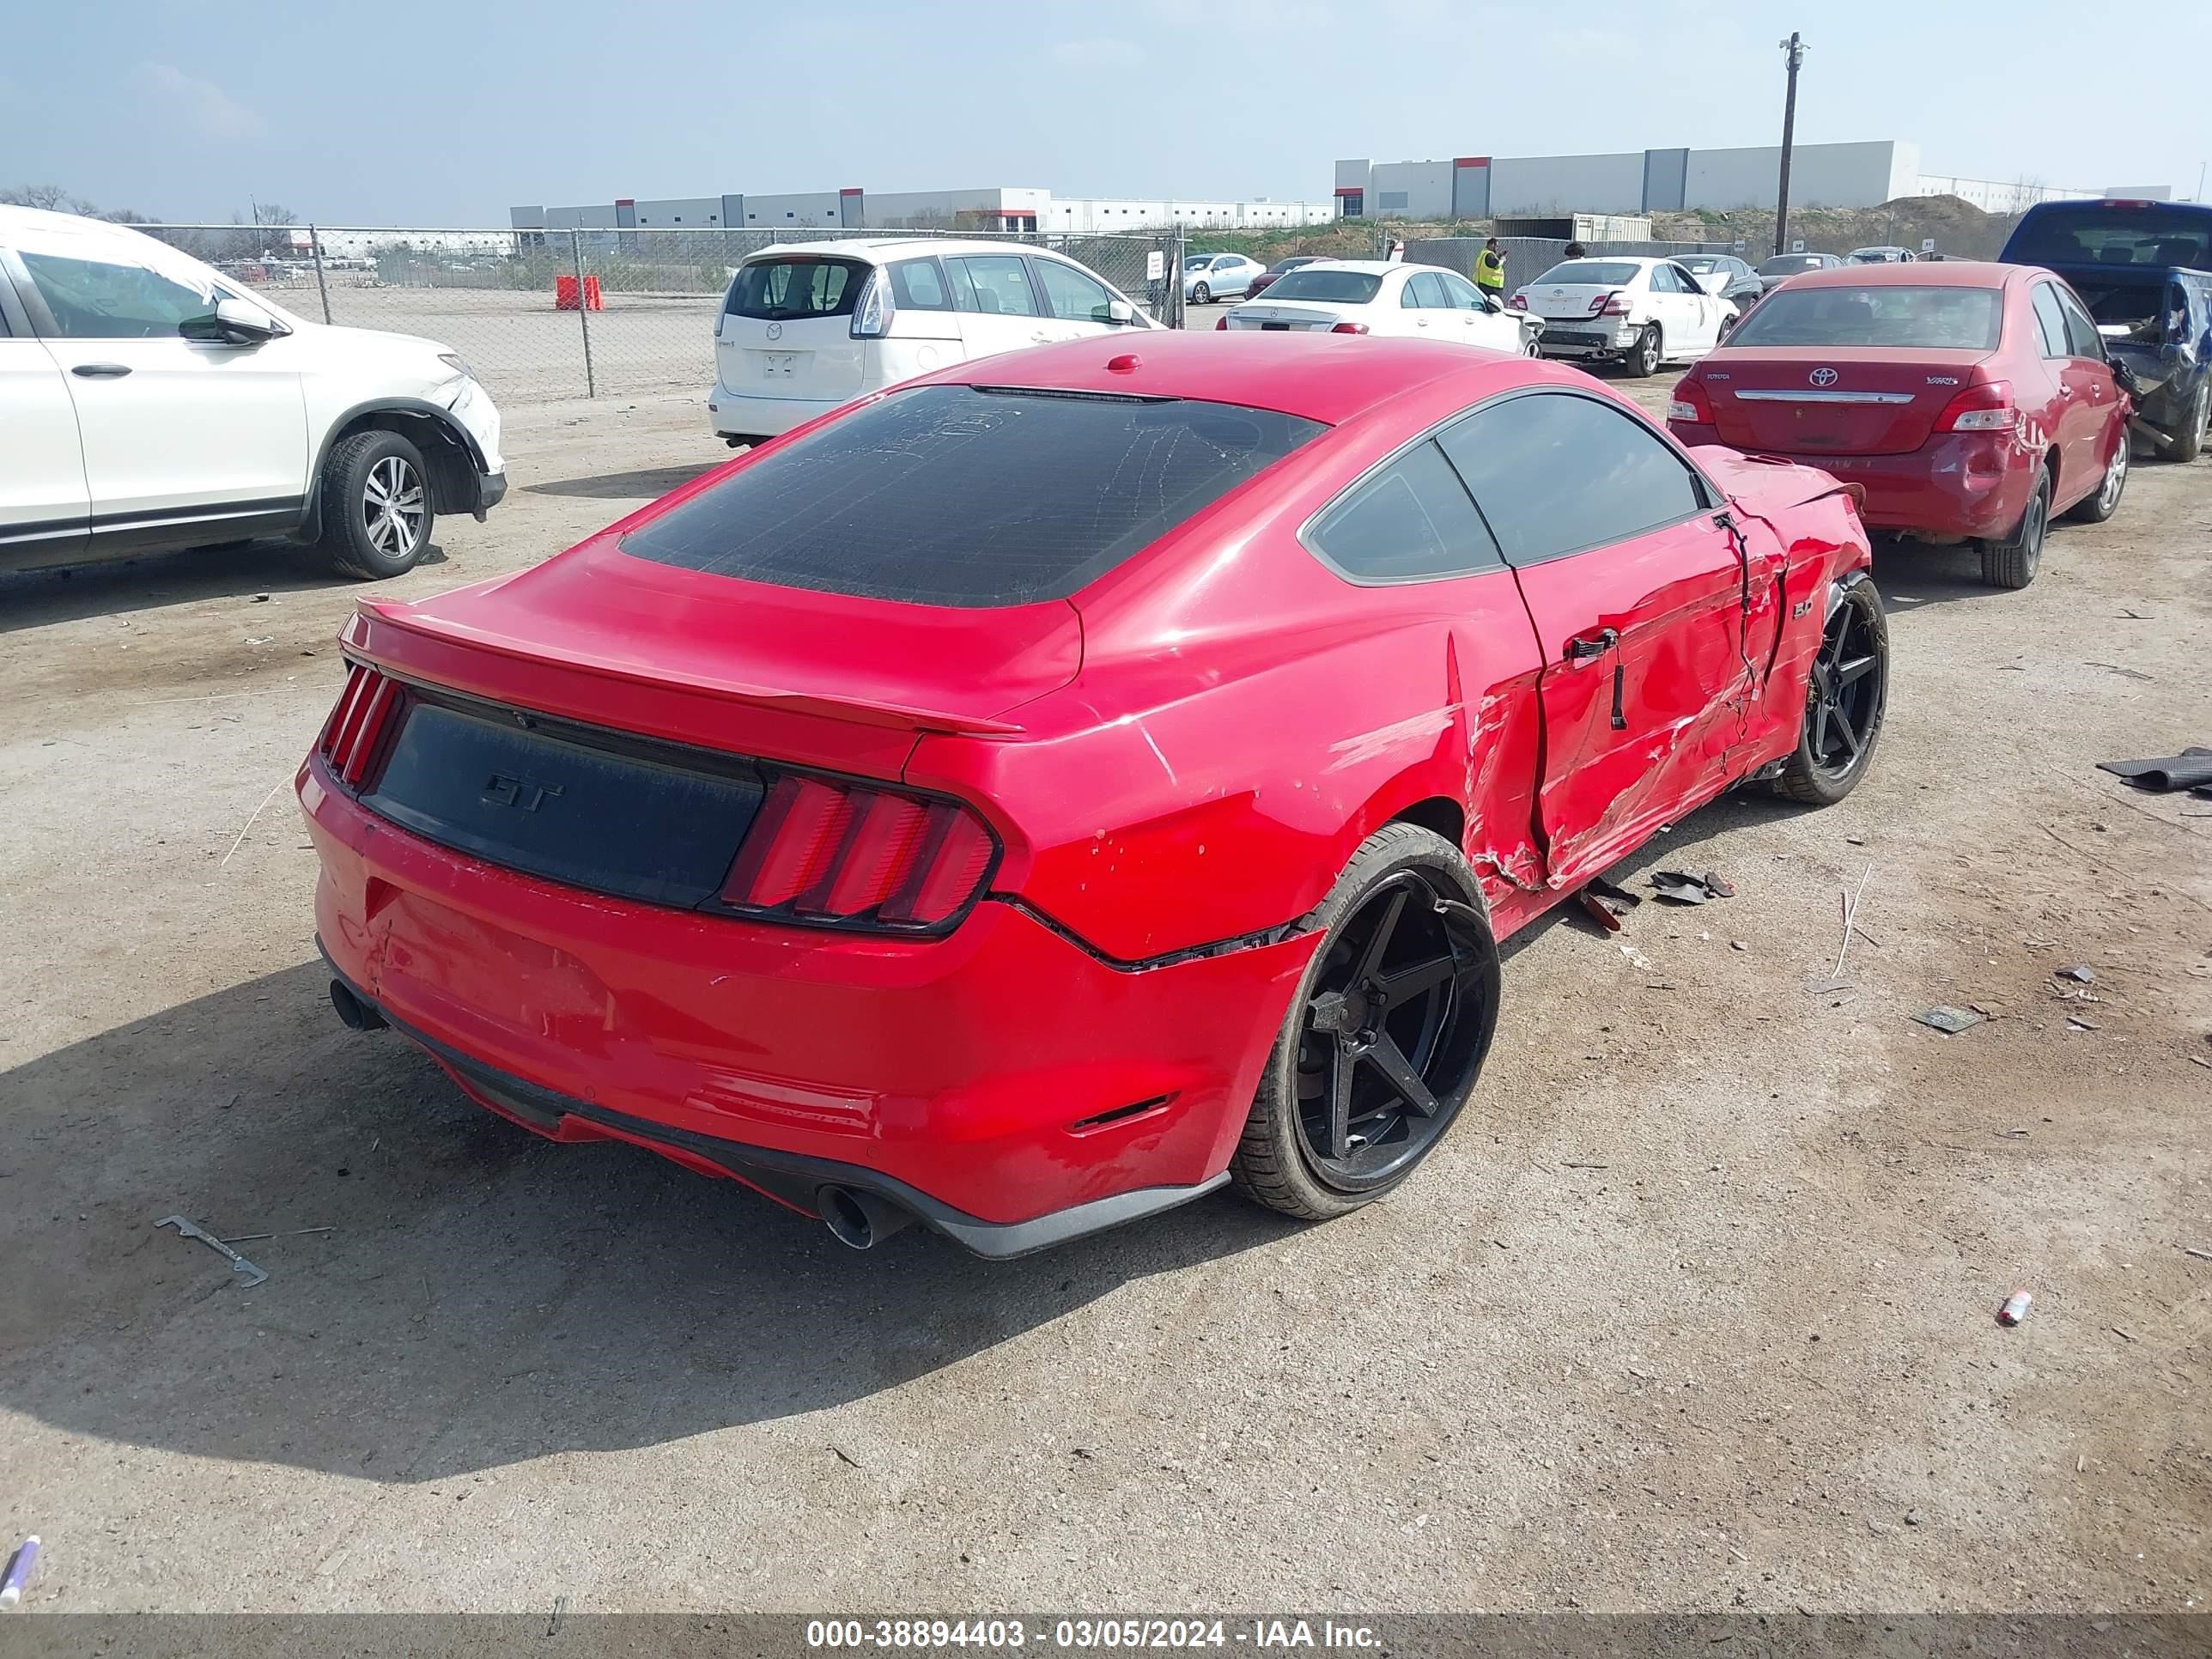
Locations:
{"points": [[1201, 295], [2096, 508], [1642, 360], [2196, 428], [360, 537], [1394, 882], [1824, 769], [2013, 563]]}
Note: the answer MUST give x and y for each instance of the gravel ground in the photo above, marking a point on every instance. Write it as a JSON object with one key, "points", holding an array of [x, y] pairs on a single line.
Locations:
{"points": [[1692, 1310]]}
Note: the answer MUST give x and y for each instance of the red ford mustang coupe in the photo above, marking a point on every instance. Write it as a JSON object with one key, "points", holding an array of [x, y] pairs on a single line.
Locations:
{"points": [[1973, 402], [1031, 797]]}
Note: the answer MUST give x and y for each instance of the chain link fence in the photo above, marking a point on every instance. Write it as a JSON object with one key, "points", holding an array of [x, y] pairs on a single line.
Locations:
{"points": [[547, 314], [1527, 258]]}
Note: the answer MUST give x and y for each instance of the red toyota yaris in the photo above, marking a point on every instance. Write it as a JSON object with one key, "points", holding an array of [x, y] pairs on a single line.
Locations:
{"points": [[1032, 797], [1973, 402]]}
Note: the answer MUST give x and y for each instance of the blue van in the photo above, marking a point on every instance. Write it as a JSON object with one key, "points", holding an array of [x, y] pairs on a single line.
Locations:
{"points": [[2144, 269]]}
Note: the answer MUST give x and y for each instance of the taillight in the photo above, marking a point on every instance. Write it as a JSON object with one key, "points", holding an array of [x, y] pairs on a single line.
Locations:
{"points": [[1221, 322], [1610, 305], [357, 725], [1986, 408], [1349, 328], [1518, 302], [1689, 404], [871, 318], [825, 850]]}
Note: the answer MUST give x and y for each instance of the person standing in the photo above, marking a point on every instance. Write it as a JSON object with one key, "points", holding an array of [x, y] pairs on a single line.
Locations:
{"points": [[1490, 270]]}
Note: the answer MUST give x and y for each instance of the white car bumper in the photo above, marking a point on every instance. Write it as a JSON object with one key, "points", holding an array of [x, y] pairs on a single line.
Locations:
{"points": [[736, 415], [1568, 337]]}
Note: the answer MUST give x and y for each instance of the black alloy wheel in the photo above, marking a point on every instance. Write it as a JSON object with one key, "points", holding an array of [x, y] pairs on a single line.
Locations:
{"points": [[1395, 1024], [1846, 697]]}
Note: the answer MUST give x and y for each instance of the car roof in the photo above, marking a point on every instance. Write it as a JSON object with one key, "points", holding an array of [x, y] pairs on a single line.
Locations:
{"points": [[875, 250], [1936, 273], [16, 220], [1319, 377]]}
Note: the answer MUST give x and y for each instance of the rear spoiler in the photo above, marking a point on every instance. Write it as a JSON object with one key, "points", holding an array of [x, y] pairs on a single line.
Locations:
{"points": [[395, 637]]}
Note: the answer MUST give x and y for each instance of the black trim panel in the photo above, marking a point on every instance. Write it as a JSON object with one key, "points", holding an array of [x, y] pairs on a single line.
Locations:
{"points": [[1220, 947], [795, 1176]]}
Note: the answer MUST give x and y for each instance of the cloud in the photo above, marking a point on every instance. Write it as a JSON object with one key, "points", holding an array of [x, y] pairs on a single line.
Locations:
{"points": [[1100, 52], [205, 107]]}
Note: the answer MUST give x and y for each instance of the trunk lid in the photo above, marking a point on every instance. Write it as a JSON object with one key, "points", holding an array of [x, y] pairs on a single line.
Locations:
{"points": [[786, 328], [1287, 317], [1840, 400], [743, 668]]}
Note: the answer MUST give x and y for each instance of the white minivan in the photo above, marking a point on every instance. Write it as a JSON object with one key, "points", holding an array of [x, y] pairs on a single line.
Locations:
{"points": [[807, 326]]}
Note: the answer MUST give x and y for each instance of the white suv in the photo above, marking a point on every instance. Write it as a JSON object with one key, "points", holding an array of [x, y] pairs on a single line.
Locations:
{"points": [[148, 404], [807, 326]]}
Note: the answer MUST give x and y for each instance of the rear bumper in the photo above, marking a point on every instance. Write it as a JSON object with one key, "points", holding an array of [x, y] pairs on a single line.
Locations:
{"points": [[737, 416], [1564, 337], [964, 1079], [1973, 484]]}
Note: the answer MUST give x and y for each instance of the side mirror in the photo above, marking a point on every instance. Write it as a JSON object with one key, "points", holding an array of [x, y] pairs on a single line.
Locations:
{"points": [[1120, 313], [233, 322]]}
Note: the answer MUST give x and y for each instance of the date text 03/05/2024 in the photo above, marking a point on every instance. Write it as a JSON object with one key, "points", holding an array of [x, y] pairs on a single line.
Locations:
{"points": [[1129, 1633]]}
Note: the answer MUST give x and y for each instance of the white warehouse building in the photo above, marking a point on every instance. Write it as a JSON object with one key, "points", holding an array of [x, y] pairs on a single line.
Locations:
{"points": [[997, 207], [1856, 175]]}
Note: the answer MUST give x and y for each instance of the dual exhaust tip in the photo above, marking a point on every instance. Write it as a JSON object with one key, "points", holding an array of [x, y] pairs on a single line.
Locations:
{"points": [[859, 1219]]}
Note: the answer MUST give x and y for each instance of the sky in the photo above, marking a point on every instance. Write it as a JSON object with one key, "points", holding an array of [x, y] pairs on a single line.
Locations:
{"points": [[408, 112]]}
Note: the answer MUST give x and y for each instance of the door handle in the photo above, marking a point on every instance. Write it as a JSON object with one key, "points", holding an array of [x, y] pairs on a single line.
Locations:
{"points": [[100, 371], [1583, 650]]}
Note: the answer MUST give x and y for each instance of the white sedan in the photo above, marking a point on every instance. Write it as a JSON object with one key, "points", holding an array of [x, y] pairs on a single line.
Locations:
{"points": [[1368, 296], [1637, 312]]}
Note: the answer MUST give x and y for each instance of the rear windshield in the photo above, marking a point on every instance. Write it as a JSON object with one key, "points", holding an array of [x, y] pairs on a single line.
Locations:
{"points": [[1700, 265], [2093, 234], [1344, 287], [1786, 265], [1590, 273], [1944, 318], [780, 289], [958, 495]]}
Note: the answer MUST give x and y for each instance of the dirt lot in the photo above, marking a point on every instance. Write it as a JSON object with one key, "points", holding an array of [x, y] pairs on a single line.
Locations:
{"points": [[1692, 1311]]}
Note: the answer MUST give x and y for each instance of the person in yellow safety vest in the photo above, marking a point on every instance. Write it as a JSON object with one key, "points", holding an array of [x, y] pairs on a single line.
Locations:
{"points": [[1490, 270]]}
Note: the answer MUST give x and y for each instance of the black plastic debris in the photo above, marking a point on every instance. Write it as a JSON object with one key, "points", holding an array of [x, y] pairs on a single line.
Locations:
{"points": [[1606, 904], [2189, 769], [1948, 1020], [1673, 887]]}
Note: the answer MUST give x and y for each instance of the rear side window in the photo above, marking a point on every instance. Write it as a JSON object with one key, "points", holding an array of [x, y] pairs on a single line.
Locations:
{"points": [[1412, 520], [1555, 473], [2051, 321], [1424, 293], [111, 299], [777, 290], [919, 285], [1936, 318], [956, 495], [1343, 288], [997, 285], [2083, 339]]}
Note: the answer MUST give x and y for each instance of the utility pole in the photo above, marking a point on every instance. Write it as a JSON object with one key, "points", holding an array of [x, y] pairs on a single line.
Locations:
{"points": [[1794, 50]]}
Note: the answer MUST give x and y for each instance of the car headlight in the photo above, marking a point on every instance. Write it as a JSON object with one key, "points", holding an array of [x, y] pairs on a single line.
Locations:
{"points": [[459, 364]]}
